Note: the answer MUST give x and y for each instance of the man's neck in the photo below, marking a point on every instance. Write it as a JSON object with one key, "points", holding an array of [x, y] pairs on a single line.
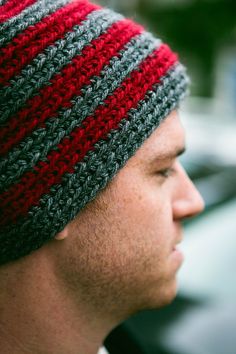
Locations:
{"points": [[36, 317]]}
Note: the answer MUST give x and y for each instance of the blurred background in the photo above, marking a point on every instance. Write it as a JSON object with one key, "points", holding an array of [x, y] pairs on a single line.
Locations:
{"points": [[202, 319]]}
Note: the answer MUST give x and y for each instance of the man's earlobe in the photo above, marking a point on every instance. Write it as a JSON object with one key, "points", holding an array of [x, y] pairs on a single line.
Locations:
{"points": [[62, 235]]}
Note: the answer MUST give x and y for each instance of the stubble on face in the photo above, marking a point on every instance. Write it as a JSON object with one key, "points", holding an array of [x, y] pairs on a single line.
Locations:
{"points": [[120, 244]]}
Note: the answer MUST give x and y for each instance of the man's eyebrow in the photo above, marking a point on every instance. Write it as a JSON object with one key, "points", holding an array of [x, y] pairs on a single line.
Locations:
{"points": [[169, 155]]}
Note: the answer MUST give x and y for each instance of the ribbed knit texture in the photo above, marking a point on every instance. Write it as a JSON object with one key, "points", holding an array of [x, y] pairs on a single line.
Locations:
{"points": [[81, 88]]}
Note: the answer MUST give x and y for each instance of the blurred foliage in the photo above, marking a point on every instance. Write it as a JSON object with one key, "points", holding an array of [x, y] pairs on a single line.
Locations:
{"points": [[197, 29]]}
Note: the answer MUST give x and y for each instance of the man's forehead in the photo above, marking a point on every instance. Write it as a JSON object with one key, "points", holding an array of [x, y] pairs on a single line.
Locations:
{"points": [[167, 140]]}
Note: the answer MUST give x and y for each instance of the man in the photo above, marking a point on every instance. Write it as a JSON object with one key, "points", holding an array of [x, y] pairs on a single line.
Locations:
{"points": [[92, 193]]}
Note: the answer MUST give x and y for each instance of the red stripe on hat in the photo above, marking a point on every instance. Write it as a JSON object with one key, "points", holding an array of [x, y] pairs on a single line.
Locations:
{"points": [[12, 8], [68, 83], [21, 197], [35, 39]]}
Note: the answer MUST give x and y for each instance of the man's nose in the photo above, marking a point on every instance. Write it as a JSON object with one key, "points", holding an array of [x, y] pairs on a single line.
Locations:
{"points": [[188, 202]]}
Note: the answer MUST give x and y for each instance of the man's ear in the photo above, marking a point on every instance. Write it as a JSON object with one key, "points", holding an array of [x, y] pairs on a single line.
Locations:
{"points": [[62, 234]]}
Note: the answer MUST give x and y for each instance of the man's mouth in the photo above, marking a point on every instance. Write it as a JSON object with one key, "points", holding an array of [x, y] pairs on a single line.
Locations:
{"points": [[175, 247]]}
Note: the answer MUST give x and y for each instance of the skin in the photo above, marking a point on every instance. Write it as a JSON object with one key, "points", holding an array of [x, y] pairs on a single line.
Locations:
{"points": [[114, 259]]}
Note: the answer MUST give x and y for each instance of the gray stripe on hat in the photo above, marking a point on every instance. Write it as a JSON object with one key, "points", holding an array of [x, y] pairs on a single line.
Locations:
{"points": [[28, 17], [37, 146], [120, 144], [98, 168], [54, 58]]}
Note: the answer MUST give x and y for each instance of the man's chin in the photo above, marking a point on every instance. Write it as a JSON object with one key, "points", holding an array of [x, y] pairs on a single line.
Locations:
{"points": [[164, 296], [158, 297]]}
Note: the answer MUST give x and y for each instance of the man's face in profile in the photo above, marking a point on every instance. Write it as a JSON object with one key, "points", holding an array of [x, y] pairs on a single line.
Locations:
{"points": [[121, 247]]}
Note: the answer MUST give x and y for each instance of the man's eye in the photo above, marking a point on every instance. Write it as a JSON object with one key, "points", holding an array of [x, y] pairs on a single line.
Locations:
{"points": [[167, 172]]}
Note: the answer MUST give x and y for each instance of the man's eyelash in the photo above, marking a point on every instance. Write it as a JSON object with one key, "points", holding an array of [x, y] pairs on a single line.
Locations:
{"points": [[167, 172]]}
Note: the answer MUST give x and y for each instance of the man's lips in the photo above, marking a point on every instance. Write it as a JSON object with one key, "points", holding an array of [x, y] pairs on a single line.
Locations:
{"points": [[178, 234], [176, 243]]}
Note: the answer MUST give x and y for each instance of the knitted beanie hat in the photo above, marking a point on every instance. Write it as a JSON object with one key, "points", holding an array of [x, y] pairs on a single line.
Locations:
{"points": [[81, 88]]}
